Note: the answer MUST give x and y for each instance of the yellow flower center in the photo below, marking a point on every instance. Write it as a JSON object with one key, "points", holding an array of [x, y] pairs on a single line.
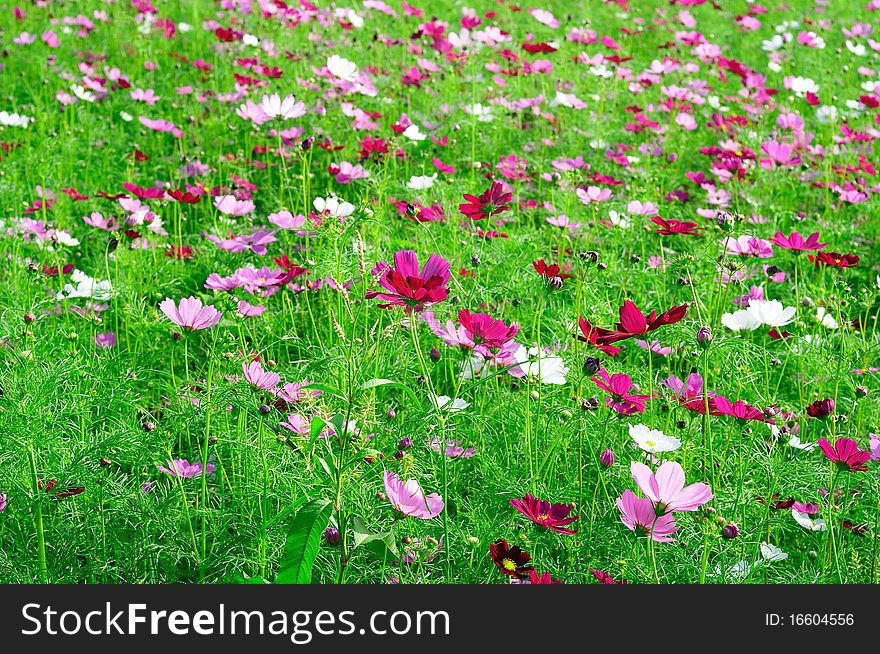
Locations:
{"points": [[543, 517], [508, 565]]}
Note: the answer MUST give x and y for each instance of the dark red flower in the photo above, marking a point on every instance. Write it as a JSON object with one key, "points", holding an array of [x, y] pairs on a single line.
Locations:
{"points": [[491, 202], [821, 408], [780, 504], [59, 493], [846, 454], [834, 259], [668, 227], [541, 512], [511, 561]]}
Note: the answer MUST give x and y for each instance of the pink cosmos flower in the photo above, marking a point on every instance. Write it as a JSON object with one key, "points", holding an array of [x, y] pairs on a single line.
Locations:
{"points": [[748, 246], [638, 514], [256, 376], [618, 386], [231, 206], [190, 314], [286, 220], [144, 95], [778, 154], [105, 339], [593, 194], [797, 242], [250, 310], [666, 488], [289, 108], [721, 406], [655, 347], [846, 454], [183, 468], [544, 17], [253, 112], [161, 126], [409, 287], [409, 498], [293, 392], [346, 172]]}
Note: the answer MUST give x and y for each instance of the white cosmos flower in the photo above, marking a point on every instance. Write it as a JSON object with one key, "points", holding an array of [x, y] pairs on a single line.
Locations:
{"points": [[806, 521], [739, 321], [421, 182], [826, 319], [288, 107], [771, 312], [342, 68], [447, 403], [826, 114], [797, 444], [14, 120], [413, 133], [333, 207], [535, 362], [64, 238], [800, 86], [85, 287], [619, 219], [857, 49], [251, 40], [773, 44], [82, 93], [482, 114], [127, 117], [772, 553], [653, 440]]}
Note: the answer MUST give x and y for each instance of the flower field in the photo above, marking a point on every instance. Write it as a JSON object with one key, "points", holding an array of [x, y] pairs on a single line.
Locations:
{"points": [[440, 292]]}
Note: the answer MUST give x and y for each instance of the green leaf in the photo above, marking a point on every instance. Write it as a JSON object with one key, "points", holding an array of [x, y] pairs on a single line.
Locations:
{"points": [[374, 383], [302, 543], [381, 544]]}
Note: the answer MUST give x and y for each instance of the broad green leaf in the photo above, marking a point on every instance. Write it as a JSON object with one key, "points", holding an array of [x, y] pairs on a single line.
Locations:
{"points": [[381, 544], [302, 543]]}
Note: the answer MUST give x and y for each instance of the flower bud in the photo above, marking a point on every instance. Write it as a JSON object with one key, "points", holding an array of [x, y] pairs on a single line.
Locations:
{"points": [[591, 365], [331, 535], [434, 354], [730, 531], [607, 458], [704, 335]]}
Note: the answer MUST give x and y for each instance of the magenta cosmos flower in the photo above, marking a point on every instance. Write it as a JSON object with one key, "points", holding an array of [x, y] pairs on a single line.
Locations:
{"points": [[541, 512], [476, 331], [185, 469], [797, 242], [846, 454], [410, 499], [618, 386], [190, 314], [411, 288], [666, 488], [638, 514]]}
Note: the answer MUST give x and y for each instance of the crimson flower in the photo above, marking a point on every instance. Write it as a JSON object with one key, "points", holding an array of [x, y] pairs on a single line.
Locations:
{"points": [[618, 386], [591, 336], [409, 287], [536, 578], [184, 196], [490, 203], [634, 323], [670, 227], [552, 273], [797, 242], [511, 561], [605, 577], [486, 330], [834, 259], [541, 512], [845, 453], [721, 406]]}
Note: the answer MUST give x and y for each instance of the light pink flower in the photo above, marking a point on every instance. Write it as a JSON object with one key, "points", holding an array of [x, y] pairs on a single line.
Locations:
{"points": [[409, 498], [666, 488], [256, 376], [638, 514], [190, 314]]}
